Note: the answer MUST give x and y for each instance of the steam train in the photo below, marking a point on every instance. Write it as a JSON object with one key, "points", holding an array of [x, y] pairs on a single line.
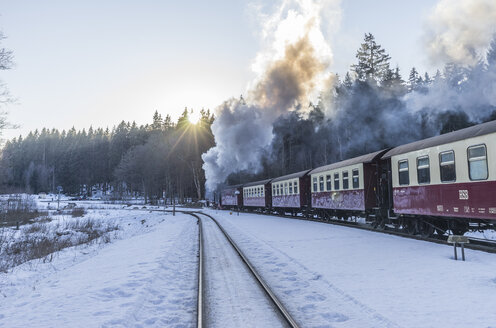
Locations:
{"points": [[447, 182]]}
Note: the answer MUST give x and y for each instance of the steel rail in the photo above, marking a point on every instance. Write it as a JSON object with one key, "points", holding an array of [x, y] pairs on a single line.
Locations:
{"points": [[278, 304], [478, 244], [199, 304]]}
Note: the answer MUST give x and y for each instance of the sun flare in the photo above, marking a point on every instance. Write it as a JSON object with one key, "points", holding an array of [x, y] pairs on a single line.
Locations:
{"points": [[194, 117]]}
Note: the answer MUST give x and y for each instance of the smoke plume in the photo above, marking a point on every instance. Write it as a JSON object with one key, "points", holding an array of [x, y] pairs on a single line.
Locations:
{"points": [[292, 66], [459, 31], [354, 117], [459, 35]]}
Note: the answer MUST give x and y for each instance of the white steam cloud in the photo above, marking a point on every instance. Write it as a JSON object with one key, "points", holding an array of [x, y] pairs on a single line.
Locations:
{"points": [[459, 31], [291, 69], [459, 34]]}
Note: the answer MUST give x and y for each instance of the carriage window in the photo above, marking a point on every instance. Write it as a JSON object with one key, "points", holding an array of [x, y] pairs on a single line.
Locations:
{"points": [[285, 188], [296, 187], [477, 162], [263, 191], [328, 182], [423, 170], [354, 178], [447, 166], [336, 181], [345, 180], [274, 190], [403, 172], [290, 187], [315, 184], [321, 183]]}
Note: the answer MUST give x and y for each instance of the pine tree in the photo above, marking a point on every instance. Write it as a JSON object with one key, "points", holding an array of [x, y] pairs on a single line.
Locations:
{"points": [[393, 82], [427, 79], [348, 82], [373, 61], [413, 80], [157, 121]]}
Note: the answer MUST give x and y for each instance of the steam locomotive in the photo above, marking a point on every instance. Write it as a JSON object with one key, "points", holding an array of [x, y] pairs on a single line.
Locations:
{"points": [[447, 182]]}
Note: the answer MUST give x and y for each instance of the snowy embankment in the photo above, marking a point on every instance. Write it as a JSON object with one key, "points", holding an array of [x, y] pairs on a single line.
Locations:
{"points": [[333, 276], [145, 277]]}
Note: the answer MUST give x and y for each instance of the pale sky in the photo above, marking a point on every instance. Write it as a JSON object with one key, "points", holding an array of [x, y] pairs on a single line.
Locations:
{"points": [[82, 63]]}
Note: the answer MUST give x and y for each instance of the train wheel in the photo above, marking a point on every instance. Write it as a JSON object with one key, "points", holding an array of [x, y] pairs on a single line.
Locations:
{"points": [[379, 223], [410, 226], [441, 228], [425, 229]]}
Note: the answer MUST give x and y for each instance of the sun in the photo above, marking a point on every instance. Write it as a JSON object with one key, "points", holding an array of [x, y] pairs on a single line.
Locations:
{"points": [[194, 117]]}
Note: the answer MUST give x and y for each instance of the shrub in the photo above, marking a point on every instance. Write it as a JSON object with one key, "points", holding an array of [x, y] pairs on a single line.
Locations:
{"points": [[78, 212], [19, 209], [42, 240]]}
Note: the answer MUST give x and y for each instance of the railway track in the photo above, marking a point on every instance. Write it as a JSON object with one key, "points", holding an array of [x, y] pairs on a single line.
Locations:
{"points": [[485, 245], [282, 313]]}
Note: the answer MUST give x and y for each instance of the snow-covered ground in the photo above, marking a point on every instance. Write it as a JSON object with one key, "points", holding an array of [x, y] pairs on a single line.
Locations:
{"points": [[145, 277], [333, 276], [326, 275]]}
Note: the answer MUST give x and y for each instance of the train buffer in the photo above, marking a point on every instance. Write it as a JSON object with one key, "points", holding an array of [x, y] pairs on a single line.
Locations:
{"points": [[458, 240]]}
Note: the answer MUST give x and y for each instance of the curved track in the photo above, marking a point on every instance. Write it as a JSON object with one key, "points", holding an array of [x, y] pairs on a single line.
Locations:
{"points": [[282, 313]]}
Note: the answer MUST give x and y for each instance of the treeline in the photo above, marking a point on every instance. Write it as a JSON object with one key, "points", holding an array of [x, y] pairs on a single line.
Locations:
{"points": [[372, 107], [150, 160]]}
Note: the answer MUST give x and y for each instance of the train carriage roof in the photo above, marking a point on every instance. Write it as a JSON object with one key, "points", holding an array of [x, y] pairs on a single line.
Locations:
{"points": [[470, 132], [232, 187], [368, 158], [256, 183], [291, 176]]}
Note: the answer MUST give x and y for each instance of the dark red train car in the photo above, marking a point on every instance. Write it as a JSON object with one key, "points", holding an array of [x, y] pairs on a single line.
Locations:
{"points": [[291, 193], [450, 177], [257, 195], [347, 187], [232, 196]]}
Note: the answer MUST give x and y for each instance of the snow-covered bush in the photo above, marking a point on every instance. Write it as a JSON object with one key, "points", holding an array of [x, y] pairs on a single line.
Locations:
{"points": [[43, 240], [18, 209]]}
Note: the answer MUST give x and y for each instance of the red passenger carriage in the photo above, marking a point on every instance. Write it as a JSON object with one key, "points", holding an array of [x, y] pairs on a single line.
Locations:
{"points": [[232, 197], [257, 195], [446, 181], [291, 193], [347, 188]]}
